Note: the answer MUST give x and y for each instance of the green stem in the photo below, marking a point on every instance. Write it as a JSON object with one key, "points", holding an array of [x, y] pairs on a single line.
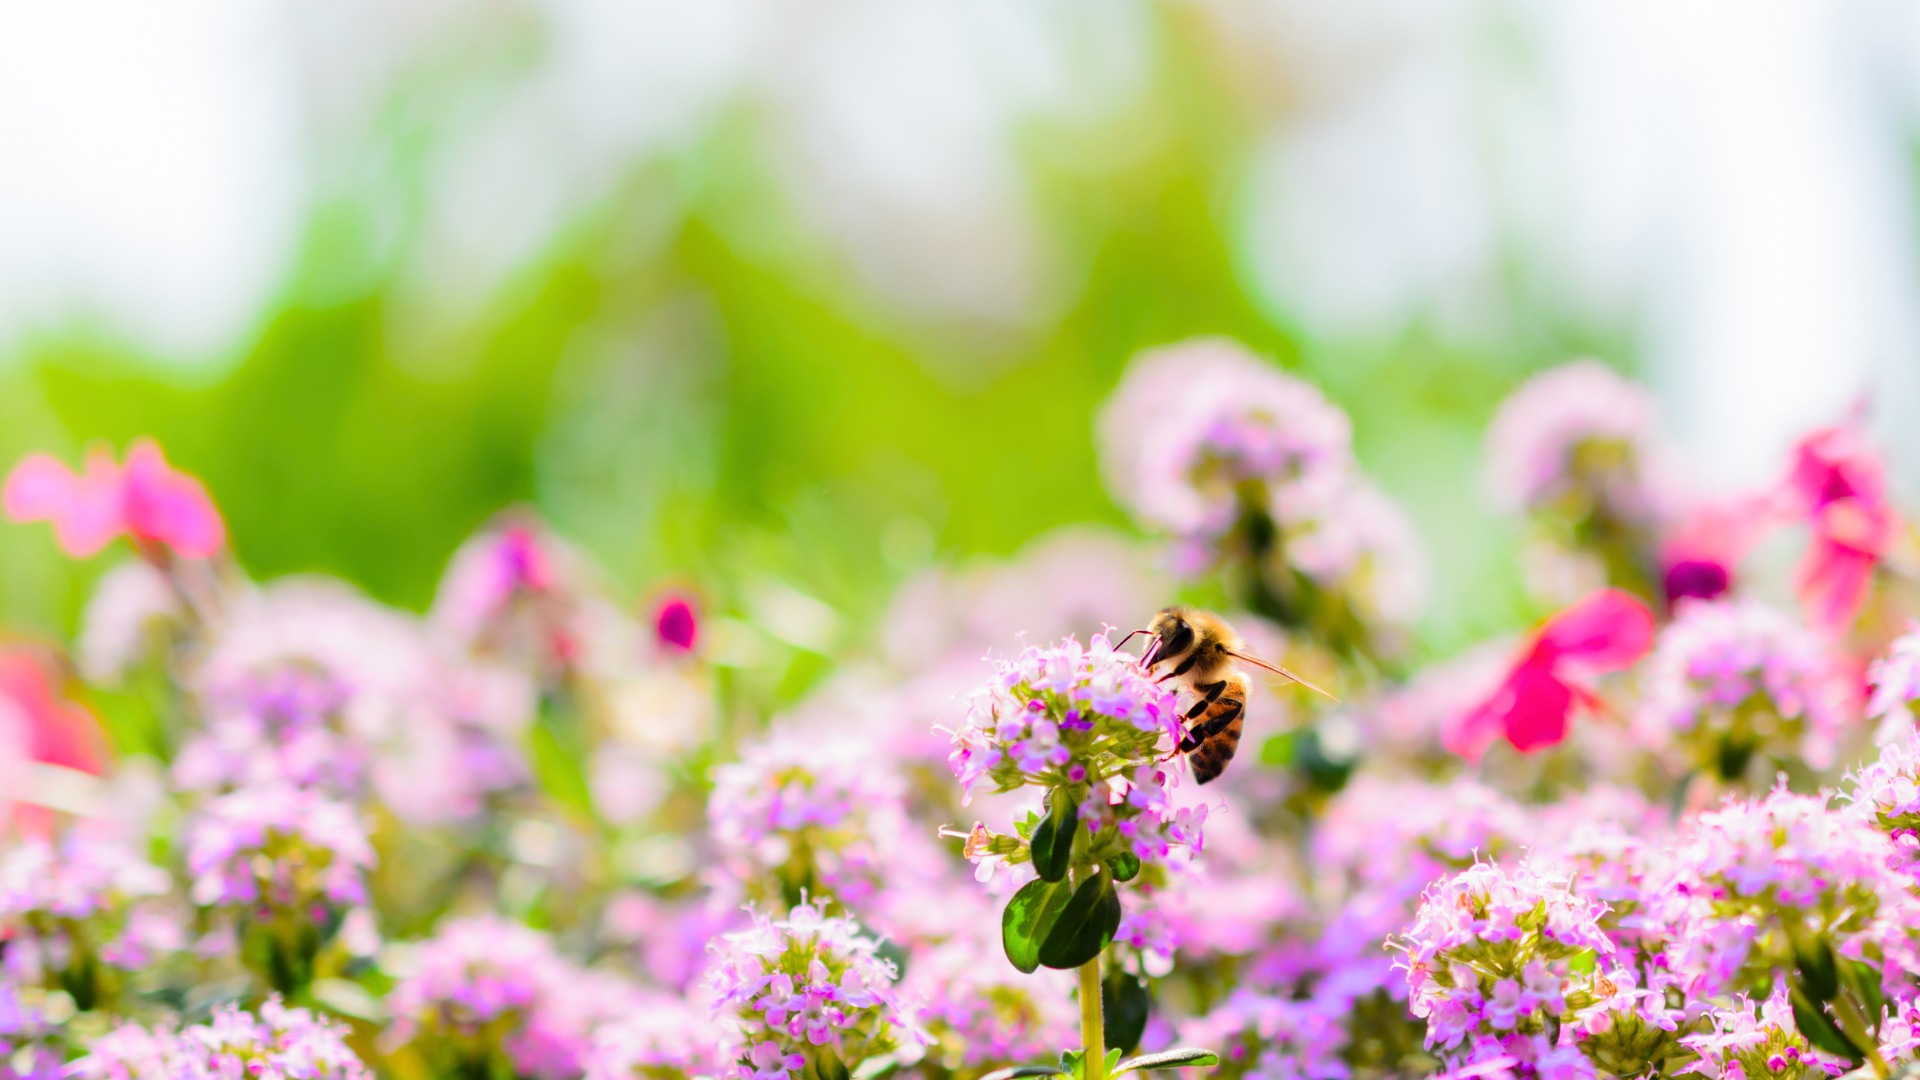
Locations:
{"points": [[1093, 1031], [1855, 1026]]}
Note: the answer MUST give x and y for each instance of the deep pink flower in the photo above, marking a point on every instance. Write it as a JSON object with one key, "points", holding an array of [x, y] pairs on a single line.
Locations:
{"points": [[145, 498], [675, 624], [1838, 484], [1606, 631]]}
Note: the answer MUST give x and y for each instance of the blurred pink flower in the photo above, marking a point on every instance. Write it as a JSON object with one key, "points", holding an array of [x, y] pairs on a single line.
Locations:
{"points": [[145, 498], [1697, 559], [1606, 631], [675, 624], [1838, 483]]}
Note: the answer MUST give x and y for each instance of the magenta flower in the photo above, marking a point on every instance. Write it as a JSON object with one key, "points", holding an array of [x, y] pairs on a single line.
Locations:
{"points": [[675, 624], [1838, 485], [1604, 632], [146, 499]]}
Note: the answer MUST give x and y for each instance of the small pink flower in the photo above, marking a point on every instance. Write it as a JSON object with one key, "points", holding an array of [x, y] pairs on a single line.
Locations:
{"points": [[145, 498], [1838, 484], [1606, 631], [675, 624], [1698, 558]]}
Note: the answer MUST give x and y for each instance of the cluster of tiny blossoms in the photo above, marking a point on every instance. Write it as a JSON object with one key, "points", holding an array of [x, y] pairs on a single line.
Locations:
{"points": [[1497, 957], [1580, 431], [1771, 878], [280, 1043], [55, 894], [809, 989], [1732, 679], [806, 813], [283, 846], [1200, 435], [1062, 715], [1885, 792], [1745, 1043]]}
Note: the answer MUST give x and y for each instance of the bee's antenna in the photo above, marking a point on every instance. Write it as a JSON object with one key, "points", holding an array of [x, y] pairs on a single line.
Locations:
{"points": [[1283, 672]]}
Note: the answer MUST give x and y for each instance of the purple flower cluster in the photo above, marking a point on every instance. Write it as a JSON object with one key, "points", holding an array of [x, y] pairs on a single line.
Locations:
{"points": [[1268, 1037], [1497, 958], [1728, 680], [809, 989], [1765, 878], [1199, 434], [1743, 1042], [980, 1013], [486, 989], [279, 1043], [1895, 679], [279, 845], [800, 812], [1578, 431], [1062, 715], [1885, 792], [78, 898]]}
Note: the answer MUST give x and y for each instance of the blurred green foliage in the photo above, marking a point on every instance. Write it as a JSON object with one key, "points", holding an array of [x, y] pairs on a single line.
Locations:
{"points": [[693, 388]]}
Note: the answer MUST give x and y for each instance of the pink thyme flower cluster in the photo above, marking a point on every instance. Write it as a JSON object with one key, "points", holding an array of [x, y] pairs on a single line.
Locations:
{"points": [[1576, 431], [1743, 1042], [805, 812], [1199, 434], [660, 1035], [1761, 877], [1895, 679], [1728, 679], [1062, 715], [1497, 957], [77, 899], [806, 990], [1267, 1037], [279, 845], [311, 684], [979, 1012], [1885, 792], [484, 989], [279, 1043]]}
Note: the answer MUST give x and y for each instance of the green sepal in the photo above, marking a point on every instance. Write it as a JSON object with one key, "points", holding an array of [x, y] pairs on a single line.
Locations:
{"points": [[1124, 866]]}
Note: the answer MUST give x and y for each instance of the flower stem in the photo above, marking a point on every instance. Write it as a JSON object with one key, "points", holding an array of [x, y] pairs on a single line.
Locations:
{"points": [[1093, 1030]]}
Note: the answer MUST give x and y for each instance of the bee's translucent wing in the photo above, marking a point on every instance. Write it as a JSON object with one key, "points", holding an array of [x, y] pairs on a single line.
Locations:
{"points": [[1283, 672]]}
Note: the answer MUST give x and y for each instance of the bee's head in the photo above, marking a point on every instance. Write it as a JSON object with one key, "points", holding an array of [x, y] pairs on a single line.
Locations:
{"points": [[1172, 634]]}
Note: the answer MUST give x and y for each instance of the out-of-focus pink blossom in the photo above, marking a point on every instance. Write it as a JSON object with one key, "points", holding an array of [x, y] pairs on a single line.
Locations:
{"points": [[1535, 442], [145, 498], [1606, 631], [1698, 557], [675, 624], [1837, 483]]}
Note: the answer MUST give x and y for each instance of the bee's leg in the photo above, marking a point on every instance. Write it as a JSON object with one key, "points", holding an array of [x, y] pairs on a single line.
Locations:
{"points": [[1184, 667], [1212, 725], [1210, 693]]}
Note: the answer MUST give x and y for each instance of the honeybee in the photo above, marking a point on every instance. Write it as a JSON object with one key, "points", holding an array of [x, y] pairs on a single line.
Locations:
{"points": [[1201, 654]]}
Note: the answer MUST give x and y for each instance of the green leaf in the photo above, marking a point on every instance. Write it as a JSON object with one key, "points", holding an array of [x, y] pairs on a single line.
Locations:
{"points": [[1819, 975], [1084, 926], [1819, 1029], [824, 1064], [1029, 917], [1583, 962], [1124, 866], [1053, 839], [1125, 1001], [1184, 1057], [1277, 750], [559, 772], [1019, 1071]]}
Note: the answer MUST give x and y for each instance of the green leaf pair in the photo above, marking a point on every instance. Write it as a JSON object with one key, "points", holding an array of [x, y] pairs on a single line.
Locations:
{"points": [[1060, 926]]}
